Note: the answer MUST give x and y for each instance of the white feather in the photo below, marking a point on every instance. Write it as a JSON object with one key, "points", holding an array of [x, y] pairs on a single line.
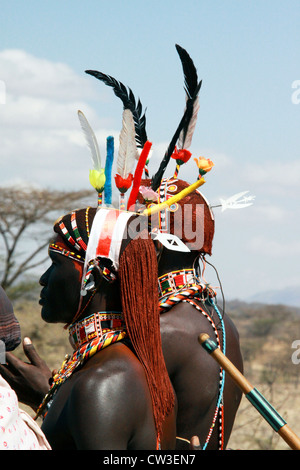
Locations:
{"points": [[127, 145], [186, 143], [91, 141]]}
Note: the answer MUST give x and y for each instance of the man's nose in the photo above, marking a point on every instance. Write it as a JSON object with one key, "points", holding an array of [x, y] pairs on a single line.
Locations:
{"points": [[43, 279]]}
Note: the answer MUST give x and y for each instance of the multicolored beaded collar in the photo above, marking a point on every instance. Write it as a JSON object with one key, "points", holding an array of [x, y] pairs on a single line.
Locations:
{"points": [[175, 280], [175, 286], [93, 326], [89, 336]]}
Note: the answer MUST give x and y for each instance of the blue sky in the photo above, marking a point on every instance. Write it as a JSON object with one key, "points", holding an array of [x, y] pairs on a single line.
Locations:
{"points": [[246, 53]]}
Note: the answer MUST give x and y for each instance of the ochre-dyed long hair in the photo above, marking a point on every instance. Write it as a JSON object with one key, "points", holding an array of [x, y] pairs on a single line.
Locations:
{"points": [[139, 294]]}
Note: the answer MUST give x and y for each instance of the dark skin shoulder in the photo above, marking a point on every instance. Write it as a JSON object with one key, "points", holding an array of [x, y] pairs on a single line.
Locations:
{"points": [[188, 363], [91, 391]]}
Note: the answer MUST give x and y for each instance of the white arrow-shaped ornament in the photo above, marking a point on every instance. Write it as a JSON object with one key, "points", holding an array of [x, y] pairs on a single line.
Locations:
{"points": [[237, 201], [169, 241]]}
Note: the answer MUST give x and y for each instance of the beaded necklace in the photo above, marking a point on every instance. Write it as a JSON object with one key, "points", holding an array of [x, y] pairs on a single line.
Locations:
{"points": [[183, 286], [170, 282], [176, 286], [87, 336]]}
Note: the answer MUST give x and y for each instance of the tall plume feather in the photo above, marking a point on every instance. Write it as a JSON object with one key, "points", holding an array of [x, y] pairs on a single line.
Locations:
{"points": [[127, 145], [129, 102], [192, 88], [91, 140], [186, 126]]}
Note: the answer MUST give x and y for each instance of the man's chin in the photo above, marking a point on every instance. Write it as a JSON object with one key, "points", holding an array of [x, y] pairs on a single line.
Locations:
{"points": [[46, 316]]}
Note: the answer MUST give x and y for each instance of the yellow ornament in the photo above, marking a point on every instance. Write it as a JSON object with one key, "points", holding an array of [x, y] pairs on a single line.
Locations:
{"points": [[204, 164], [97, 179], [174, 199]]}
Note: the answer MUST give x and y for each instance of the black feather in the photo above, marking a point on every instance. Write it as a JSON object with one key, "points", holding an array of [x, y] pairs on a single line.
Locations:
{"points": [[129, 102], [192, 88], [156, 179], [189, 71]]}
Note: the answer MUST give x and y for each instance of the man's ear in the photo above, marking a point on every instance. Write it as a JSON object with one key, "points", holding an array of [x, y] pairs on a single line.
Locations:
{"points": [[97, 276], [158, 248], [93, 281]]}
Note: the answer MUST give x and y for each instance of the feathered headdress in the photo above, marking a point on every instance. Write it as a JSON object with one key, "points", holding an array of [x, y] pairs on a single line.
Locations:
{"points": [[134, 145], [133, 116]]}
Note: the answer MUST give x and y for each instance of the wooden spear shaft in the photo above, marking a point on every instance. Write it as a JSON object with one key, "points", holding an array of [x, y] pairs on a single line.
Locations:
{"points": [[252, 394]]}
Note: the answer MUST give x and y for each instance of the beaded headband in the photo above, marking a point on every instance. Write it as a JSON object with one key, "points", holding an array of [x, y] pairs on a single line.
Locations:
{"points": [[79, 246], [65, 252]]}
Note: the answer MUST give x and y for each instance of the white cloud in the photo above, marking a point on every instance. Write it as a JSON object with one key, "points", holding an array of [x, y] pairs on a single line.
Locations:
{"points": [[40, 134], [25, 74], [41, 138], [275, 248], [274, 175], [270, 213]]}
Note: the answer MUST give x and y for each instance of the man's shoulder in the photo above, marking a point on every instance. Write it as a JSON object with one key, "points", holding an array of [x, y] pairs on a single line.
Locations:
{"points": [[114, 387], [113, 366]]}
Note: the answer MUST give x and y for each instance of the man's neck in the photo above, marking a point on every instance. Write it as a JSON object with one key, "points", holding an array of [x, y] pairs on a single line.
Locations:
{"points": [[106, 299], [173, 261]]}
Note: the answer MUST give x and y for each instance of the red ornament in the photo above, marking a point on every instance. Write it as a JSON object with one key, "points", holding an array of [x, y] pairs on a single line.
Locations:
{"points": [[123, 184], [181, 156]]}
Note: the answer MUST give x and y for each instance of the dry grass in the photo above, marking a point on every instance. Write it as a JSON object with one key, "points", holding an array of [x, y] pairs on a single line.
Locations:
{"points": [[252, 432], [266, 336]]}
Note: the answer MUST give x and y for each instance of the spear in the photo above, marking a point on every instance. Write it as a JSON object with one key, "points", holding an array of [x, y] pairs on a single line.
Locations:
{"points": [[252, 394]]}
